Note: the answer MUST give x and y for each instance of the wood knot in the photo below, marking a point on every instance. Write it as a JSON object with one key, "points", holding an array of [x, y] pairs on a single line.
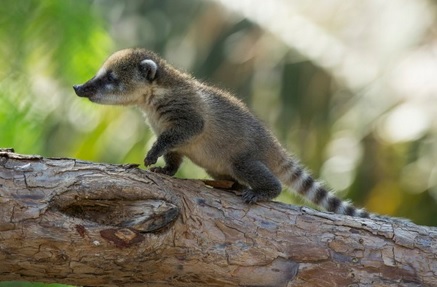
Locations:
{"points": [[149, 215]]}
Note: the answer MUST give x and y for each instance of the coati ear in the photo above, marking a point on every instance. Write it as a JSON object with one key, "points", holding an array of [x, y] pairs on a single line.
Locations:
{"points": [[148, 69]]}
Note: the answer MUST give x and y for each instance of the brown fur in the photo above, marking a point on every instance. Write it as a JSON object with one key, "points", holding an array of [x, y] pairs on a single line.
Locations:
{"points": [[208, 125]]}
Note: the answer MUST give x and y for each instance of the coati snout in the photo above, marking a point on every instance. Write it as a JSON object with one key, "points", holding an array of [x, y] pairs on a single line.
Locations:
{"points": [[84, 90], [103, 83]]}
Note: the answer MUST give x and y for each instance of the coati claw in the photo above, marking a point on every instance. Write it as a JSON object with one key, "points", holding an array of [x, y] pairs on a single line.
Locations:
{"points": [[249, 196], [157, 169], [162, 170]]}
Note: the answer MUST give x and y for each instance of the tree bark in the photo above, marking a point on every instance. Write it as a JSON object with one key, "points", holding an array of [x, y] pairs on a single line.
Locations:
{"points": [[81, 223]]}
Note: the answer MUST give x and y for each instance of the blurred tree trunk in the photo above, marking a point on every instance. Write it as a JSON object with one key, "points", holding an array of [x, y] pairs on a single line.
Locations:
{"points": [[83, 223]]}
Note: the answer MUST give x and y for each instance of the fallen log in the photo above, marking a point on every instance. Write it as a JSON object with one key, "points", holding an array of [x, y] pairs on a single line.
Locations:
{"points": [[92, 224]]}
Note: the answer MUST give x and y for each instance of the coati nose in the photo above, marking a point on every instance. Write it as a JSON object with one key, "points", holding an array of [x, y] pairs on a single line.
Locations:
{"points": [[78, 90], [86, 90]]}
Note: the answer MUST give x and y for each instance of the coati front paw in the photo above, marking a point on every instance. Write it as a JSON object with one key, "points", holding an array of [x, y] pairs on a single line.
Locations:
{"points": [[163, 170], [150, 159]]}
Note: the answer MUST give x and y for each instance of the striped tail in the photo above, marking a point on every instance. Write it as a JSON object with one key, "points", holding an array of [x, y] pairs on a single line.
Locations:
{"points": [[292, 174]]}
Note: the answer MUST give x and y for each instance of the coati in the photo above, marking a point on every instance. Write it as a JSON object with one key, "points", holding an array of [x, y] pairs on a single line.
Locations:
{"points": [[211, 127]]}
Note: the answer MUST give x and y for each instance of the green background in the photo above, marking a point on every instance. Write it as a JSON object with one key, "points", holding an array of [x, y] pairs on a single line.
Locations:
{"points": [[339, 129]]}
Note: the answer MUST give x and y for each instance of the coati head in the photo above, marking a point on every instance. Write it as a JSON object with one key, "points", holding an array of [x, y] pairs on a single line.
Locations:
{"points": [[125, 78]]}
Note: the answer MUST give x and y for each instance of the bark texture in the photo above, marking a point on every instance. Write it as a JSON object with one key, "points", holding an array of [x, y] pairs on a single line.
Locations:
{"points": [[82, 223]]}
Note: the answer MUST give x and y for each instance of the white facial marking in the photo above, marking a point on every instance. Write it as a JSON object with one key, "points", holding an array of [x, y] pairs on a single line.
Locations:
{"points": [[100, 73]]}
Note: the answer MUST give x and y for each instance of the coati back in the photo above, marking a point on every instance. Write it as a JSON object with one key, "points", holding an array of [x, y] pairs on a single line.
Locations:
{"points": [[208, 125]]}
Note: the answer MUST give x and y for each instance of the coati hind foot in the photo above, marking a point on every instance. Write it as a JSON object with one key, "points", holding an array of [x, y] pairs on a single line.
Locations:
{"points": [[257, 195], [263, 184]]}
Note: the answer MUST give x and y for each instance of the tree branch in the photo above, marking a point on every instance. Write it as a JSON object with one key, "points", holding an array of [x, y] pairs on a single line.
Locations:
{"points": [[69, 221]]}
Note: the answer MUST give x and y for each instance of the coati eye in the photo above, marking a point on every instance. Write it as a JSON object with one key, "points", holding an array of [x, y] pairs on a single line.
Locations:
{"points": [[110, 77]]}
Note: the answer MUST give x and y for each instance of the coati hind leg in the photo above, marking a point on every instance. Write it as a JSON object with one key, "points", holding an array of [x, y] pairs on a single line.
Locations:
{"points": [[172, 162], [263, 184]]}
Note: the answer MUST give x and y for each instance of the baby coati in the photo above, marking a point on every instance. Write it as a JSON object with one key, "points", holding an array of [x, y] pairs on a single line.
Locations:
{"points": [[208, 125]]}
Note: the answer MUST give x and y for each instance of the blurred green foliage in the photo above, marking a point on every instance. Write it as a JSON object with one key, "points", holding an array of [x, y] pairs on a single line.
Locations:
{"points": [[47, 46], [50, 45]]}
